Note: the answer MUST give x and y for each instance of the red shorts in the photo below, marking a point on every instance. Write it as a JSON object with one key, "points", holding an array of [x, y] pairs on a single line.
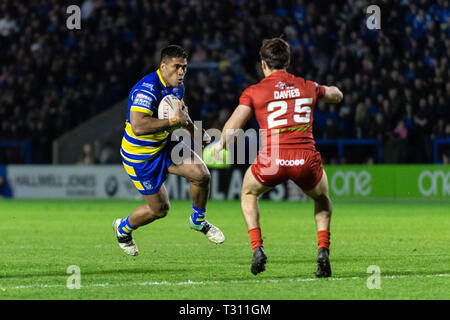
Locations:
{"points": [[302, 166]]}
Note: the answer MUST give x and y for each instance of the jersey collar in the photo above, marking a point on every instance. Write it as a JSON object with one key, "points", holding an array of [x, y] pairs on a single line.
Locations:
{"points": [[277, 73], [160, 78]]}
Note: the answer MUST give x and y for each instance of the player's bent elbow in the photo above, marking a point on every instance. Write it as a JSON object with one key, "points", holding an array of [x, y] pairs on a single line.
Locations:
{"points": [[336, 95], [138, 126], [136, 131]]}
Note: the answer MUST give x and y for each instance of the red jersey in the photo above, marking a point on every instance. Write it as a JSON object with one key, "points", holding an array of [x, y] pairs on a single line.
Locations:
{"points": [[283, 105]]}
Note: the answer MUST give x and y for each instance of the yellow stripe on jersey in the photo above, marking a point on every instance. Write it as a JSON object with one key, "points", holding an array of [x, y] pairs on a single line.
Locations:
{"points": [[138, 185], [129, 169], [148, 137], [160, 78], [140, 150], [141, 109], [133, 160]]}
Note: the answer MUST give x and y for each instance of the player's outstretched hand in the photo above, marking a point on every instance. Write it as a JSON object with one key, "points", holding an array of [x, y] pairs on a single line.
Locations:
{"points": [[218, 147], [206, 138]]}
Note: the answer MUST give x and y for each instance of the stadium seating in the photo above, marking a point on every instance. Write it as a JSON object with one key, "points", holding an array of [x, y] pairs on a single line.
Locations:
{"points": [[395, 80]]}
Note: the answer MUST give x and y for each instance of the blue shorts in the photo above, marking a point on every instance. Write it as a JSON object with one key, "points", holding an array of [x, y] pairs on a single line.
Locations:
{"points": [[148, 176]]}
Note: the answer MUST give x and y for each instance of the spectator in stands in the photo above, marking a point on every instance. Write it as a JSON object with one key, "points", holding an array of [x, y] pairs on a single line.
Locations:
{"points": [[108, 154], [87, 156], [7, 25], [423, 124]]}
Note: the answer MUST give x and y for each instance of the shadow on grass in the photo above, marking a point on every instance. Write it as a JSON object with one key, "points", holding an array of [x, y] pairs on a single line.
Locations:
{"points": [[144, 271], [267, 276]]}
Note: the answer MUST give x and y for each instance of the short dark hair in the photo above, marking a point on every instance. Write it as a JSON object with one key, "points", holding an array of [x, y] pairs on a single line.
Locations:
{"points": [[173, 51], [276, 52]]}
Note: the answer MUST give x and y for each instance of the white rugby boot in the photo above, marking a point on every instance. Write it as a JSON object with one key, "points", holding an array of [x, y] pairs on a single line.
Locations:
{"points": [[210, 231], [126, 242]]}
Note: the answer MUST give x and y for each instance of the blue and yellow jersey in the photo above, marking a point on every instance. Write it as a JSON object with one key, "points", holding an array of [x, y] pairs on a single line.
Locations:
{"points": [[145, 97]]}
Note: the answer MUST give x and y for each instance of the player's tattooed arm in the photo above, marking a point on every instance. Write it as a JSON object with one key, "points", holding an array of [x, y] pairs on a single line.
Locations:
{"points": [[142, 123], [332, 95]]}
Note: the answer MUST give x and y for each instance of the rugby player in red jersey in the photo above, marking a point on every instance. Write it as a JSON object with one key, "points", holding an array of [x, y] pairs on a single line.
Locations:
{"points": [[283, 105]]}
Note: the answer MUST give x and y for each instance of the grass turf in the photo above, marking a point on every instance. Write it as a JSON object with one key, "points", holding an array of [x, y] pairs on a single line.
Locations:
{"points": [[42, 238]]}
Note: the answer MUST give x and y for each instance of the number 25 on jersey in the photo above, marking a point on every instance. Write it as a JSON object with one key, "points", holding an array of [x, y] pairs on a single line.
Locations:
{"points": [[277, 109]]}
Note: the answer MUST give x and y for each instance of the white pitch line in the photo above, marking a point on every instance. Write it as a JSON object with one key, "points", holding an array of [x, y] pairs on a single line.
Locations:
{"points": [[189, 282]]}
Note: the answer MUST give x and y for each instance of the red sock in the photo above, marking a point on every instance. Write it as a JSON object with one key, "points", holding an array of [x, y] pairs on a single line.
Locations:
{"points": [[255, 238], [324, 239]]}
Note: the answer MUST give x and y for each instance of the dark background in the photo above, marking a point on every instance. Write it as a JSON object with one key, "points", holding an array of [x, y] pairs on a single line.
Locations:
{"points": [[395, 80]]}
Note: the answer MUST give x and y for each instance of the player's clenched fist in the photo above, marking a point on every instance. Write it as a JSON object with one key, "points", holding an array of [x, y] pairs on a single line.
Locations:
{"points": [[181, 117]]}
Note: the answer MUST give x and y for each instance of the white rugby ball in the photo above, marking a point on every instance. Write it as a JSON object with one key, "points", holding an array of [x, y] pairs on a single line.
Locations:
{"points": [[168, 106]]}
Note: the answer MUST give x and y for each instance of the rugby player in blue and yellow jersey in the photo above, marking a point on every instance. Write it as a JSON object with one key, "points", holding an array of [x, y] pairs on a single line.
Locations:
{"points": [[146, 152]]}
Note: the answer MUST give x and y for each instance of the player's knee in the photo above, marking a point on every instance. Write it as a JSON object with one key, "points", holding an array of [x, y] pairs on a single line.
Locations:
{"points": [[206, 177], [248, 191], [162, 210], [203, 178], [323, 201]]}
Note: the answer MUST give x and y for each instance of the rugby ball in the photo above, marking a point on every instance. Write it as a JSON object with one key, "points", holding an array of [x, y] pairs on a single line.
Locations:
{"points": [[168, 106]]}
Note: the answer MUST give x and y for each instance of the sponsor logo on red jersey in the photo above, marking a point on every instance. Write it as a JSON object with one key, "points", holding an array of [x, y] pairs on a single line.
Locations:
{"points": [[290, 162]]}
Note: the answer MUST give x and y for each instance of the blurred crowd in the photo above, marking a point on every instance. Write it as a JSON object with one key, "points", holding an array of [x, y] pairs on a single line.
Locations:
{"points": [[395, 80]]}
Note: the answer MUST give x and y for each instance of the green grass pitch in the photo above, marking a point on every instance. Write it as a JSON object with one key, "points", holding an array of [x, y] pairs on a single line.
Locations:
{"points": [[408, 242]]}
